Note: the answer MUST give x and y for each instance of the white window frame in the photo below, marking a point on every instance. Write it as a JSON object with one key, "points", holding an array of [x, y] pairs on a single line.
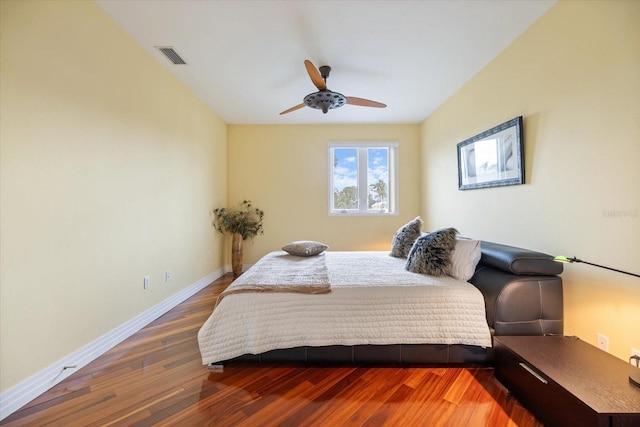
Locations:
{"points": [[362, 147]]}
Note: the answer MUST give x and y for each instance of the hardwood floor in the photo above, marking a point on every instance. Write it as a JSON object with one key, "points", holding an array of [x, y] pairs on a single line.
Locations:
{"points": [[156, 378]]}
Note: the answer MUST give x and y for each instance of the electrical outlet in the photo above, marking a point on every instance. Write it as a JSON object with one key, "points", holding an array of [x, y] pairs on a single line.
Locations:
{"points": [[603, 342], [167, 277], [634, 352], [147, 279], [209, 257]]}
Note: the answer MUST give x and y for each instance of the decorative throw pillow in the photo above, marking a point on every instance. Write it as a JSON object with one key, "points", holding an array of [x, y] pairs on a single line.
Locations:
{"points": [[464, 259], [431, 253], [305, 248], [404, 238]]}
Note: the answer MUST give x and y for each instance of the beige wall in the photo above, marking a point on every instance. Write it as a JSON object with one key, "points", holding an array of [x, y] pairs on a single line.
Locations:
{"points": [[109, 167], [574, 77], [284, 171]]}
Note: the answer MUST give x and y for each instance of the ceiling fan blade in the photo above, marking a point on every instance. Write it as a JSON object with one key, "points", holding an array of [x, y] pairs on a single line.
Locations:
{"points": [[315, 75], [297, 107], [364, 102]]}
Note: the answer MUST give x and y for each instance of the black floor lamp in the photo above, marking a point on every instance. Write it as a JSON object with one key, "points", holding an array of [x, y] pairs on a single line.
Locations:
{"points": [[635, 377]]}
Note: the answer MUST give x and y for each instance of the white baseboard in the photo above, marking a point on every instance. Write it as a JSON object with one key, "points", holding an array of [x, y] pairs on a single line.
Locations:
{"points": [[23, 393]]}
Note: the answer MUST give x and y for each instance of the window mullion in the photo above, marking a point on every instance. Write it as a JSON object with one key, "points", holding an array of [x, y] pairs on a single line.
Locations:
{"points": [[363, 187]]}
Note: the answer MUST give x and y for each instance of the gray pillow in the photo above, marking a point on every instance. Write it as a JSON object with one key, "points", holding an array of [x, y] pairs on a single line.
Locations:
{"points": [[404, 238], [431, 253], [305, 248]]}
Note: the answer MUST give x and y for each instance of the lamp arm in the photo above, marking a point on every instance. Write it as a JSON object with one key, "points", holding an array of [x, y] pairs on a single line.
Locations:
{"points": [[608, 268]]}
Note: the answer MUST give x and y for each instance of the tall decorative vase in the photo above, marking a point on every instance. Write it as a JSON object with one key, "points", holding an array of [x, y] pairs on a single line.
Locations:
{"points": [[236, 255]]}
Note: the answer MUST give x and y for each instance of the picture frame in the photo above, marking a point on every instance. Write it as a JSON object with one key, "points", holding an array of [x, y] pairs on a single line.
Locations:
{"points": [[493, 158]]}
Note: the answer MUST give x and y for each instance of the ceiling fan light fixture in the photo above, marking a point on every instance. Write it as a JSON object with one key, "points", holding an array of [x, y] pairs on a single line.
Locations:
{"points": [[325, 100]]}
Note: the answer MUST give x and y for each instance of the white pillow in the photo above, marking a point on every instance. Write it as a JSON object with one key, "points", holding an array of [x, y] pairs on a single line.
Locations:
{"points": [[305, 248], [464, 259]]}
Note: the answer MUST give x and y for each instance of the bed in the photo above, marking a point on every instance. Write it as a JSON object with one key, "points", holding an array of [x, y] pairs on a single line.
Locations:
{"points": [[366, 307]]}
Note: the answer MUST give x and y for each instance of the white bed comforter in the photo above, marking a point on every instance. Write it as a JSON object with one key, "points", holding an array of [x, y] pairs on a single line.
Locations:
{"points": [[373, 300]]}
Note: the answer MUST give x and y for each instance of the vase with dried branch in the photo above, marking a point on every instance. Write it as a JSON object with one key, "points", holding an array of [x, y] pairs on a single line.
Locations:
{"points": [[244, 222]]}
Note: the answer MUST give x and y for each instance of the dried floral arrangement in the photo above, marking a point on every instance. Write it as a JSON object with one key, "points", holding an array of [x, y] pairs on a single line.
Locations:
{"points": [[242, 218]]}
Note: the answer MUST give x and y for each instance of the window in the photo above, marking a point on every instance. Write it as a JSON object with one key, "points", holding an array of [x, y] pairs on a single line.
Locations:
{"points": [[363, 178]]}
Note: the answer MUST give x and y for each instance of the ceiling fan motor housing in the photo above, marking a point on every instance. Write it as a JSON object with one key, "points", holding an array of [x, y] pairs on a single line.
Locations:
{"points": [[324, 71], [325, 100]]}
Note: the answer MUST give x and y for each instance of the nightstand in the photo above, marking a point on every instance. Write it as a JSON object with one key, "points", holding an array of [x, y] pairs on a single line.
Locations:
{"points": [[564, 381]]}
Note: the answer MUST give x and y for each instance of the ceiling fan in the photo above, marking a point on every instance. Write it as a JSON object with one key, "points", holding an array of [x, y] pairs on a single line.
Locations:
{"points": [[325, 99]]}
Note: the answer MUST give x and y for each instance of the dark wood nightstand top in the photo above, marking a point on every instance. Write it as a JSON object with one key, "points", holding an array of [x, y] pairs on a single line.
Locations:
{"points": [[597, 378]]}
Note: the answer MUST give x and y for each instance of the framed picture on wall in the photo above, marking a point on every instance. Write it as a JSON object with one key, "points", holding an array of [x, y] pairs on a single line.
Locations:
{"points": [[493, 158]]}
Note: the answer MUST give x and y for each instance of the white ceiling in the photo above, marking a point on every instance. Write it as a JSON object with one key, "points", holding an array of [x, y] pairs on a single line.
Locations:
{"points": [[245, 59]]}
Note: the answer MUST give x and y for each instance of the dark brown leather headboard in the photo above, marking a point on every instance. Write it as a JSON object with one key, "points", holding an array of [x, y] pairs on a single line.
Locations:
{"points": [[522, 290], [517, 260]]}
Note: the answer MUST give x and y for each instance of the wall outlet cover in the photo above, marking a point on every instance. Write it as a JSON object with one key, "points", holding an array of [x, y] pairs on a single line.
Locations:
{"points": [[603, 342]]}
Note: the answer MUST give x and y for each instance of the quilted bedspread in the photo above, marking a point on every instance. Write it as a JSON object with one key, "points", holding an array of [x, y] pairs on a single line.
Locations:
{"points": [[373, 300]]}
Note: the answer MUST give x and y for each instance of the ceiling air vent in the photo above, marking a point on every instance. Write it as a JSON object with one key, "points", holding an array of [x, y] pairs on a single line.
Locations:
{"points": [[172, 55]]}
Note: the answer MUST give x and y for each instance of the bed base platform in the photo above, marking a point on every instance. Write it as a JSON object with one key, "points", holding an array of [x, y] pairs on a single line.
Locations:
{"points": [[427, 354]]}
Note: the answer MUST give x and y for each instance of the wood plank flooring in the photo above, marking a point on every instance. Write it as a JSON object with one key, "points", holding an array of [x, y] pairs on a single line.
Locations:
{"points": [[156, 378]]}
